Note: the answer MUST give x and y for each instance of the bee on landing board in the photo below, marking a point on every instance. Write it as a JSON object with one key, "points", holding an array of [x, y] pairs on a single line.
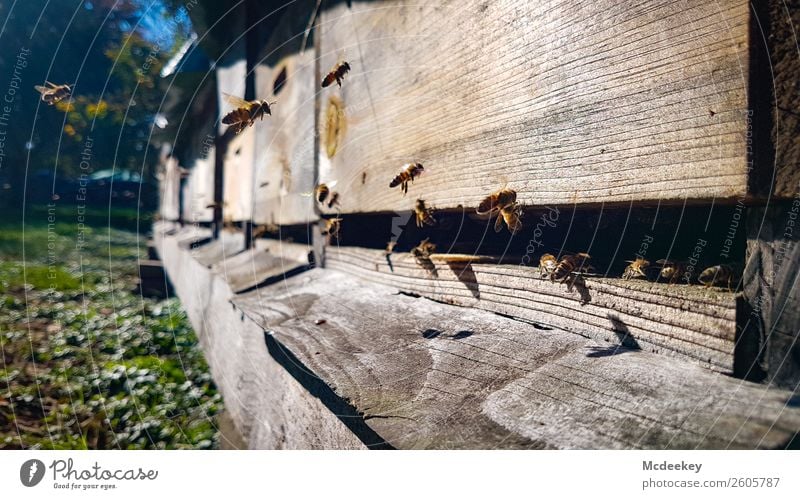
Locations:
{"points": [[636, 269], [424, 215], [52, 93], [423, 250], [504, 203], [569, 264], [245, 113], [718, 275], [409, 172], [547, 265], [336, 74], [671, 270]]}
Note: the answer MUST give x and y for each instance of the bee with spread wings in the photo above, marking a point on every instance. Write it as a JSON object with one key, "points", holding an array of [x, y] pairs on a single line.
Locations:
{"points": [[52, 93], [246, 112]]}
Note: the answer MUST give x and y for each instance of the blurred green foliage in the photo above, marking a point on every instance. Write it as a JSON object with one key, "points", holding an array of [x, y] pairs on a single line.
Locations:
{"points": [[88, 363]]}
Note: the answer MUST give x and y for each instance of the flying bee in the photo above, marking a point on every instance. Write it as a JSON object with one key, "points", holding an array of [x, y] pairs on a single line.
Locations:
{"points": [[245, 113], [504, 203], [406, 175], [53, 93], [636, 269], [512, 216], [336, 74], [332, 228], [718, 275], [569, 264], [672, 271], [424, 214], [547, 265]]}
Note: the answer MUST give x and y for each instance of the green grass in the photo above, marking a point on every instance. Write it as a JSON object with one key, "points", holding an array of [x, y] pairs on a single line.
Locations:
{"points": [[88, 363]]}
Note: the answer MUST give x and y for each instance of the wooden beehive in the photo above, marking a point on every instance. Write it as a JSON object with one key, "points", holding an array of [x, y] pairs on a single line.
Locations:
{"points": [[644, 126]]}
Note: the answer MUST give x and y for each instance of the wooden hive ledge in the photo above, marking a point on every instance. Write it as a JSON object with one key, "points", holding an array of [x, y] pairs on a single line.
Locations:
{"points": [[413, 373]]}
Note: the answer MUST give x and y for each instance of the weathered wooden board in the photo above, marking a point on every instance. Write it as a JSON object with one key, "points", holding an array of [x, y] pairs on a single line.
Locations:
{"points": [[238, 184], [268, 262], [228, 244], [198, 195], [671, 319], [429, 375], [567, 102], [268, 406], [170, 190], [285, 141], [772, 292], [780, 76]]}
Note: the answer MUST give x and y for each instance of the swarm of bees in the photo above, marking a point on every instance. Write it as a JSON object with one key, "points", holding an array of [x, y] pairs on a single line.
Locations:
{"points": [[245, 112], [52, 93], [336, 74], [409, 172], [504, 203]]}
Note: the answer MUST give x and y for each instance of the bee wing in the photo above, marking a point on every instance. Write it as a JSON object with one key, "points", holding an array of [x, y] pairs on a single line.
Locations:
{"points": [[516, 225], [235, 101], [42, 90], [306, 194], [498, 223], [332, 184]]}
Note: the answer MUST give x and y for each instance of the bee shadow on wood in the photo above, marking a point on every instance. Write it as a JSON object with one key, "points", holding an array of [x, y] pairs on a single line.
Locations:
{"points": [[430, 334], [624, 335], [461, 335], [578, 283], [466, 276], [426, 263]]}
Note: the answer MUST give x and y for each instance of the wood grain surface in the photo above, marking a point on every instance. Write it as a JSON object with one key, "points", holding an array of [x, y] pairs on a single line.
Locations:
{"points": [[670, 319], [565, 102], [430, 375]]}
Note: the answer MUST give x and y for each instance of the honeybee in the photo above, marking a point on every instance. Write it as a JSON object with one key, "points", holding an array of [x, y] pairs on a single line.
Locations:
{"points": [[547, 265], [504, 202], [336, 74], [321, 193], [718, 275], [423, 250], [53, 93], [332, 228], [407, 175], [636, 269], [334, 200], [246, 112], [423, 214], [569, 264], [269, 228], [672, 271]]}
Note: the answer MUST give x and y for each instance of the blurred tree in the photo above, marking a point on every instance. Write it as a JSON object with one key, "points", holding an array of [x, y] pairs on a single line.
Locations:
{"points": [[112, 50]]}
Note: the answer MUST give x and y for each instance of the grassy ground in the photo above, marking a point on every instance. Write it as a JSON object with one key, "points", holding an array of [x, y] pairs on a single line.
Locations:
{"points": [[85, 362]]}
